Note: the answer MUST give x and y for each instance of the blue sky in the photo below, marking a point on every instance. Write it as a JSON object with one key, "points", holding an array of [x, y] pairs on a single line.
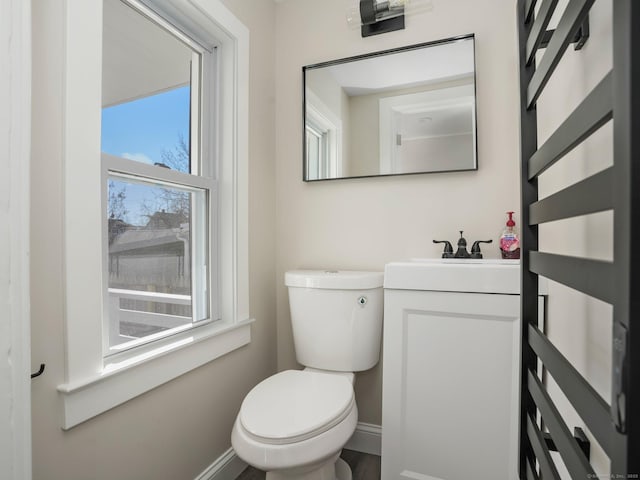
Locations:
{"points": [[142, 129]]}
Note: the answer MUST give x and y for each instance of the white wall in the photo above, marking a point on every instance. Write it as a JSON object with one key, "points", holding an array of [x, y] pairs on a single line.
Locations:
{"points": [[15, 78], [329, 92], [364, 223], [180, 428], [580, 326], [451, 152]]}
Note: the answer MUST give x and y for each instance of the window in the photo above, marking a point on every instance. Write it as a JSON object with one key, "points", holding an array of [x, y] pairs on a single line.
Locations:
{"points": [[317, 150], [155, 195], [160, 190]]}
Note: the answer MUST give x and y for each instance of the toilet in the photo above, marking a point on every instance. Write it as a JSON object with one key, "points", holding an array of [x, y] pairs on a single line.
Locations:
{"points": [[294, 424]]}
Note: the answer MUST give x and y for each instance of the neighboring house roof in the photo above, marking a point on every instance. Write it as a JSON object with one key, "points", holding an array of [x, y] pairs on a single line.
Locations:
{"points": [[150, 242], [165, 234]]}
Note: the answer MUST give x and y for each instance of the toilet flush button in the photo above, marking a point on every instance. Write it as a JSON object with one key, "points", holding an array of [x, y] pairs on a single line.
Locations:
{"points": [[362, 300]]}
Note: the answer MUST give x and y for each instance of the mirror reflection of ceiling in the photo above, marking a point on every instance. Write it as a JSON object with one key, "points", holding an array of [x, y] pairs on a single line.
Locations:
{"points": [[421, 66], [140, 58]]}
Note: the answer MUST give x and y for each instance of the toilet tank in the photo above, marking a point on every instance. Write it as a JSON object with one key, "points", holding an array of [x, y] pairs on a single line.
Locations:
{"points": [[336, 317]]}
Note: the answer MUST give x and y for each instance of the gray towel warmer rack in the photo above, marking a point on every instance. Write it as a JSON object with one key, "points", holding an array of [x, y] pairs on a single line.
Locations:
{"points": [[615, 422]]}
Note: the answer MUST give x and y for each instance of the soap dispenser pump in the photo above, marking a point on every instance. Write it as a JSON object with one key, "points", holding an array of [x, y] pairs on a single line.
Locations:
{"points": [[509, 242]]}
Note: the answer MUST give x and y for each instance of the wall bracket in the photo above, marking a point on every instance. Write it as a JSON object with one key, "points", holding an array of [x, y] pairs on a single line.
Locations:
{"points": [[580, 437], [380, 17], [580, 38]]}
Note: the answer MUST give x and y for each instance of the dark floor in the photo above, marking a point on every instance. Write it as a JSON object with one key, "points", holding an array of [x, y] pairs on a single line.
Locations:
{"points": [[363, 467]]}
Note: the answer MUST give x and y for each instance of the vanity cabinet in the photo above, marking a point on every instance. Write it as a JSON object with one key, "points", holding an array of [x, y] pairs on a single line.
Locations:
{"points": [[451, 381]]}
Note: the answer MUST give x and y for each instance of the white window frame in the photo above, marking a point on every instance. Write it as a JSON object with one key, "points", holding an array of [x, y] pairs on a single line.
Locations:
{"points": [[327, 127], [204, 284], [319, 168], [94, 384]]}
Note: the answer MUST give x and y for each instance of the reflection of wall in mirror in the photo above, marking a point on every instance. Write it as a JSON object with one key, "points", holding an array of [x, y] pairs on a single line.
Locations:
{"points": [[332, 101], [365, 134], [436, 154]]}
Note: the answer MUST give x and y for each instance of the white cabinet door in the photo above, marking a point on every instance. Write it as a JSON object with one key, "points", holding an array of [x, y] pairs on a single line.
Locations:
{"points": [[450, 386]]}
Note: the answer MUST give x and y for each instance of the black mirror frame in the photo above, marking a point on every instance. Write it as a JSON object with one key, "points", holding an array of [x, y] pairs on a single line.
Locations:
{"points": [[379, 54]]}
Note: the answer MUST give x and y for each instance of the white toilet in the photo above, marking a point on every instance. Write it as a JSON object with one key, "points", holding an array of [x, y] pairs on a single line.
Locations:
{"points": [[294, 424]]}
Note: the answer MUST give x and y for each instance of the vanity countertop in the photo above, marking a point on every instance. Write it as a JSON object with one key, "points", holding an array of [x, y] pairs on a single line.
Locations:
{"points": [[456, 275]]}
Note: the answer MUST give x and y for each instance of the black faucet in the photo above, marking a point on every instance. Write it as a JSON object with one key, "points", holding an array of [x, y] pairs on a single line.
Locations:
{"points": [[475, 248], [448, 249], [462, 248]]}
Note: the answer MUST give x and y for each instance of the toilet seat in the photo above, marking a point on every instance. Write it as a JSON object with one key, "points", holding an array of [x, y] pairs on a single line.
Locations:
{"points": [[294, 405]]}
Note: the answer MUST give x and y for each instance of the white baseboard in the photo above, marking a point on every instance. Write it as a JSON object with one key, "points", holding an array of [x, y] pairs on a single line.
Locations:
{"points": [[366, 439], [227, 467]]}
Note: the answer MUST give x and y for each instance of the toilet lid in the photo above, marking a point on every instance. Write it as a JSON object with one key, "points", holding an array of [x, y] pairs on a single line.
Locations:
{"points": [[294, 405]]}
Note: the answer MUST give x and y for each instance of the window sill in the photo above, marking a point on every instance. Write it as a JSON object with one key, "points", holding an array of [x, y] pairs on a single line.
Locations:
{"points": [[123, 380]]}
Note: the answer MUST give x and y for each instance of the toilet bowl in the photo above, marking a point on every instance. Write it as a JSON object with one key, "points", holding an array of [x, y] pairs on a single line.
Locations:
{"points": [[294, 424], [311, 415]]}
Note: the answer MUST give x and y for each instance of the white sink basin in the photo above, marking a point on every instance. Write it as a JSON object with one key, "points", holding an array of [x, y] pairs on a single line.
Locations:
{"points": [[454, 275]]}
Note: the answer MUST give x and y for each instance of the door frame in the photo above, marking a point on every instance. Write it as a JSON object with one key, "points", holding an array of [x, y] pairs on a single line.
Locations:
{"points": [[15, 147]]}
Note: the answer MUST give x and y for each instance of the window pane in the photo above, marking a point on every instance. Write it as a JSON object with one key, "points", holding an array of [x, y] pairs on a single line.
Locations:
{"points": [[149, 92], [153, 130], [157, 270]]}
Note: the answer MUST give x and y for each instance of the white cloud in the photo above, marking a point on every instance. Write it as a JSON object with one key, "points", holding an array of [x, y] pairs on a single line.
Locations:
{"points": [[138, 157]]}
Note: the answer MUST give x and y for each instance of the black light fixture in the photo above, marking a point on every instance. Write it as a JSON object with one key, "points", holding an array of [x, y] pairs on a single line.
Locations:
{"points": [[381, 16]]}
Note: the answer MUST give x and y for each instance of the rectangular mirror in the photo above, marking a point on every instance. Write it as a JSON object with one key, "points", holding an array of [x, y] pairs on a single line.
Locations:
{"points": [[396, 112]]}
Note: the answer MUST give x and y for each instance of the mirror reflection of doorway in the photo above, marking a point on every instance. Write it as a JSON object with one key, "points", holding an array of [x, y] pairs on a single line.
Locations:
{"points": [[420, 134]]}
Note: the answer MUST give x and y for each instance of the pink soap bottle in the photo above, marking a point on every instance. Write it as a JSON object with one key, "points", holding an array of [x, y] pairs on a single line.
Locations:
{"points": [[509, 242]]}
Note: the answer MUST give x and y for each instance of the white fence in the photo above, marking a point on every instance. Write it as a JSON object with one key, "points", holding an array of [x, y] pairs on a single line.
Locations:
{"points": [[150, 321]]}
